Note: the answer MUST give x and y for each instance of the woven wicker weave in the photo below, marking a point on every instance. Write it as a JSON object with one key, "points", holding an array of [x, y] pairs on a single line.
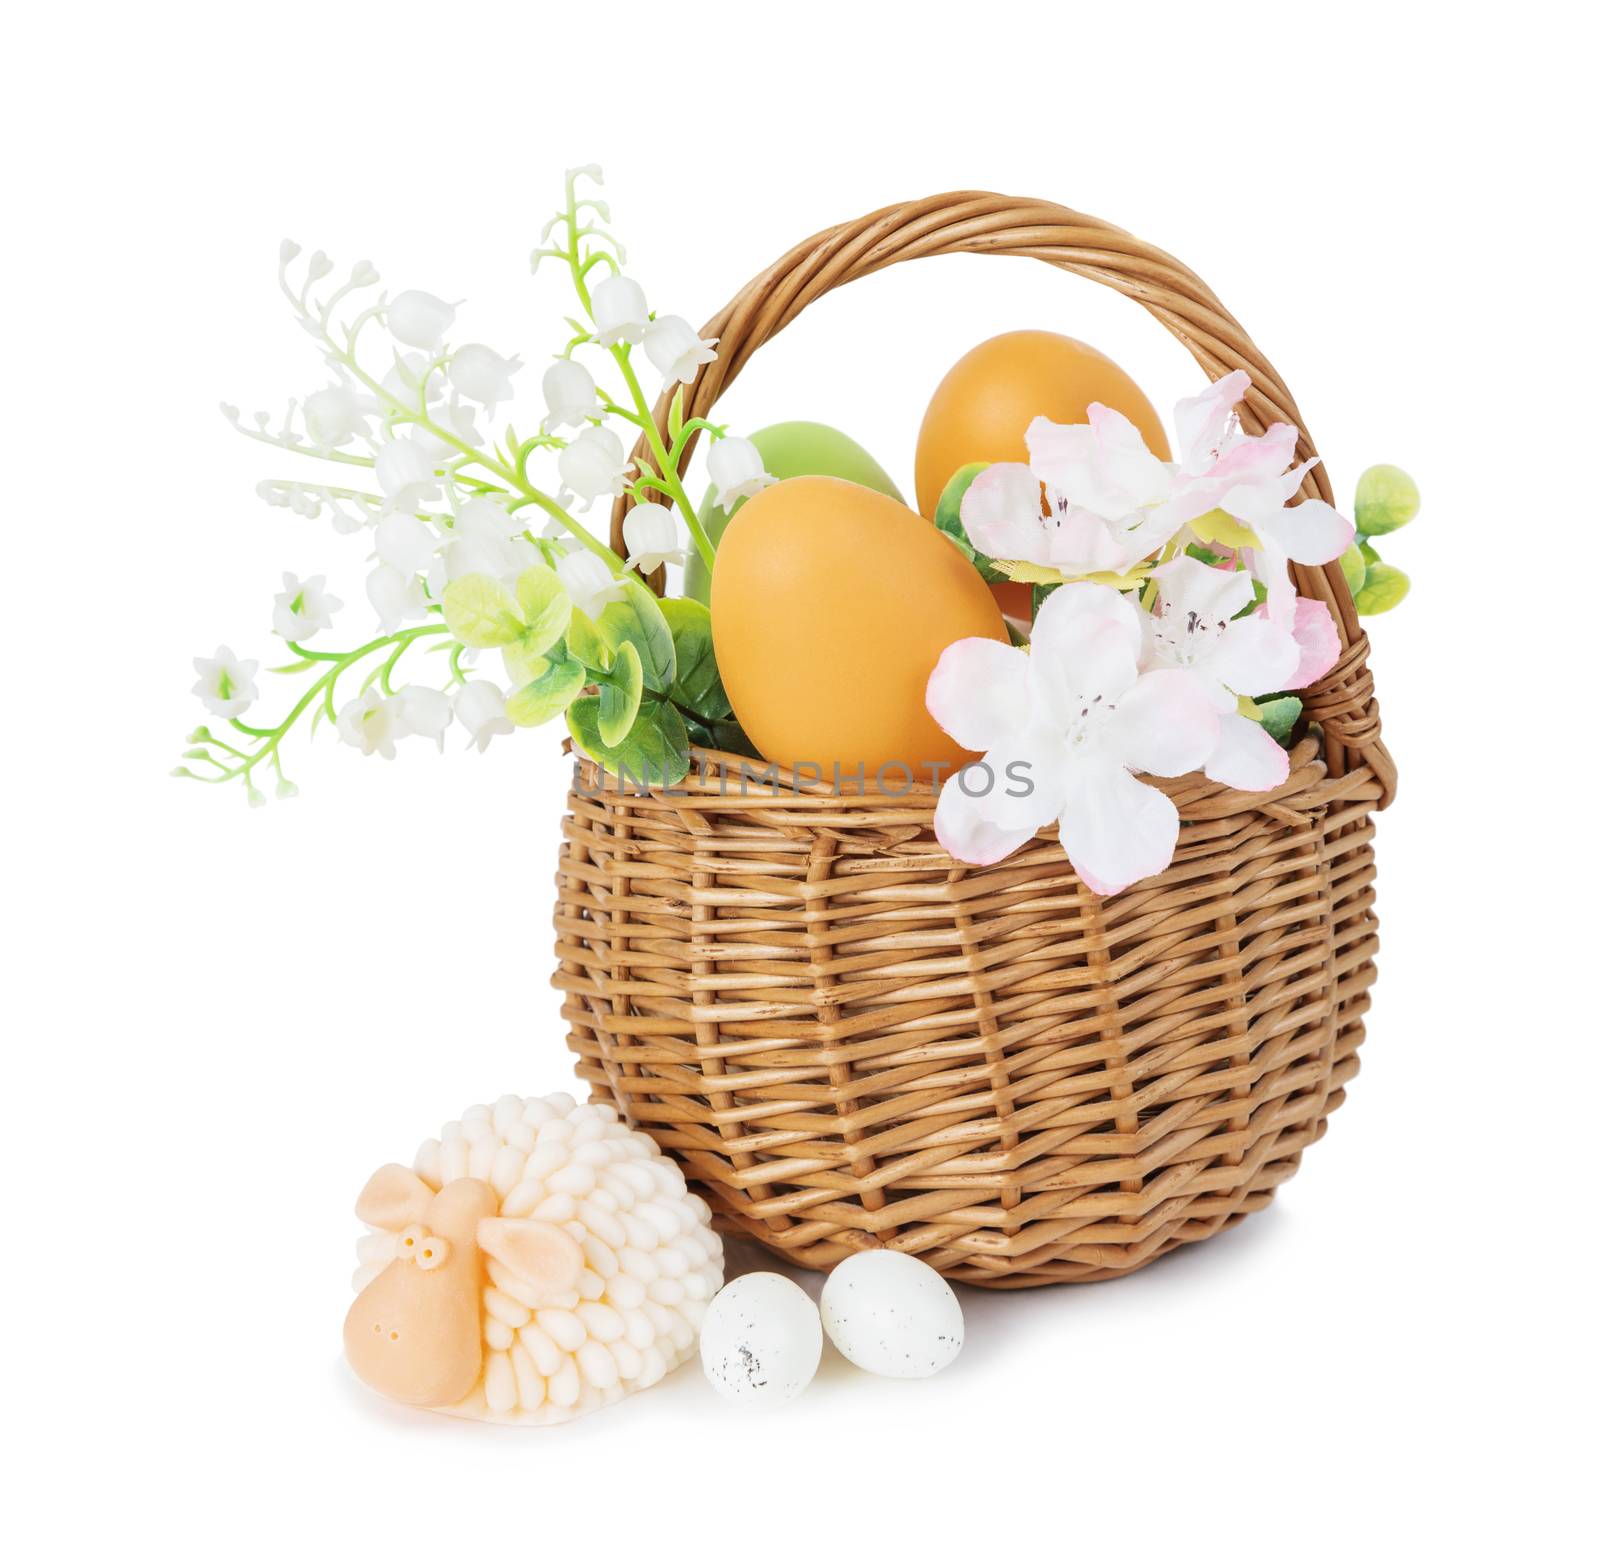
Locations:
{"points": [[850, 1041]]}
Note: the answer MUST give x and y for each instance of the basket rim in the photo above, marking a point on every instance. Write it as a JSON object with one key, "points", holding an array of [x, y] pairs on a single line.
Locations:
{"points": [[1310, 785]]}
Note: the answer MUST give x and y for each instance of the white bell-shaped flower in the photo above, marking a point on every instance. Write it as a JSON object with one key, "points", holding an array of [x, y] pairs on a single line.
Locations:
{"points": [[735, 467], [676, 350], [405, 542], [477, 372], [405, 474], [226, 685], [619, 310], [303, 607], [593, 465], [424, 712], [569, 395], [333, 416], [588, 581], [371, 723], [420, 320], [480, 709], [650, 533]]}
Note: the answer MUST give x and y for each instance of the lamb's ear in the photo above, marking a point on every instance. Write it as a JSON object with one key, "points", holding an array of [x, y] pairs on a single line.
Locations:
{"points": [[393, 1197], [534, 1250]]}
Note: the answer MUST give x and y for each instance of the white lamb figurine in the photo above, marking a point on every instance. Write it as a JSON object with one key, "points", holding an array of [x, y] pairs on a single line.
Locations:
{"points": [[537, 1261]]}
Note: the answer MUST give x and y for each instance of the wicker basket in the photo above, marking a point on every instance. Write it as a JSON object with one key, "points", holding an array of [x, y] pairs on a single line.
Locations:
{"points": [[849, 1040]]}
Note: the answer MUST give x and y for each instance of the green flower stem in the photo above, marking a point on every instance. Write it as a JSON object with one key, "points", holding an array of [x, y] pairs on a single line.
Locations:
{"points": [[271, 736], [646, 420]]}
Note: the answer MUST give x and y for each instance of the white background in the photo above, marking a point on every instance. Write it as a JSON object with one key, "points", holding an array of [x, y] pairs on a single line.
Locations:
{"points": [[218, 1021]]}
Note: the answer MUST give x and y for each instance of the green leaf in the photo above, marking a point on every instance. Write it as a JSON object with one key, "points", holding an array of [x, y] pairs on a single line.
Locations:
{"points": [[1279, 716], [699, 685], [1354, 565], [523, 665], [675, 417], [654, 752], [947, 518], [545, 697], [479, 612], [637, 616], [545, 607], [1368, 552], [1386, 499], [728, 736], [1015, 632], [619, 702], [1039, 594], [584, 642], [1386, 587], [1204, 555]]}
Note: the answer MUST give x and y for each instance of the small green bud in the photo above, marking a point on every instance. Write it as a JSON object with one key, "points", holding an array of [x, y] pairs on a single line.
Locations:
{"points": [[287, 789], [199, 734], [255, 796], [1386, 499]]}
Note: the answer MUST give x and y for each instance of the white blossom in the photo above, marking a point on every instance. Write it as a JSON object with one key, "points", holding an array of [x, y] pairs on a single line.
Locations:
{"points": [[371, 723], [650, 534], [456, 419], [419, 319], [226, 685], [480, 708], [396, 596], [619, 311], [676, 350], [406, 475], [593, 465], [303, 607], [735, 467], [589, 582], [477, 372], [333, 416], [404, 380], [424, 712], [486, 539], [405, 542], [569, 395]]}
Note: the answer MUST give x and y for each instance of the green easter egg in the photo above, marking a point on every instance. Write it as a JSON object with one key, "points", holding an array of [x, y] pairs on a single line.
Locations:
{"points": [[1386, 499], [1386, 587], [794, 449], [1354, 565]]}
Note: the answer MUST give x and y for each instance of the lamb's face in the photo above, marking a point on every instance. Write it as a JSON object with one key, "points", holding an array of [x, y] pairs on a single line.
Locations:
{"points": [[415, 1333]]}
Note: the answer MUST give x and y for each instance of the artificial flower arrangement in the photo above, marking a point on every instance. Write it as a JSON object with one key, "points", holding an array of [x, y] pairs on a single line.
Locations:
{"points": [[1165, 633]]}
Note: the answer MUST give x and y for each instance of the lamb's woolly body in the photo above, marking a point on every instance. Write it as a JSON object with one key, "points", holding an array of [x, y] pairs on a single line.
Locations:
{"points": [[651, 1261]]}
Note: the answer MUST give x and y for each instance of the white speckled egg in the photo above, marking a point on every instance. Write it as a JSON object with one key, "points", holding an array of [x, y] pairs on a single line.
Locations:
{"points": [[891, 1314], [761, 1340]]}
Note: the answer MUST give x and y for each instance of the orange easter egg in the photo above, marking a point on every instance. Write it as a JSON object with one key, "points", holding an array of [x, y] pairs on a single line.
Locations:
{"points": [[830, 605], [988, 398]]}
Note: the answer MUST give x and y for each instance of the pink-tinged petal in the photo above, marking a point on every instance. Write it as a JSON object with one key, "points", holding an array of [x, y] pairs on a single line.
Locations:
{"points": [[990, 808], [1255, 457], [1317, 635], [1203, 420], [1001, 513], [1312, 532], [978, 692], [1258, 501], [1211, 591], [1080, 543], [1246, 758], [1087, 640], [1103, 467], [1164, 724], [1115, 829], [1254, 655]]}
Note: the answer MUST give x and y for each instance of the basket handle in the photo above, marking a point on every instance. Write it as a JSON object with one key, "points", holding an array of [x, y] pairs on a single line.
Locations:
{"points": [[1342, 701]]}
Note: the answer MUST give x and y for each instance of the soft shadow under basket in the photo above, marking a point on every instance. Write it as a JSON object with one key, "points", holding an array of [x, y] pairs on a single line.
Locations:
{"points": [[849, 1041]]}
